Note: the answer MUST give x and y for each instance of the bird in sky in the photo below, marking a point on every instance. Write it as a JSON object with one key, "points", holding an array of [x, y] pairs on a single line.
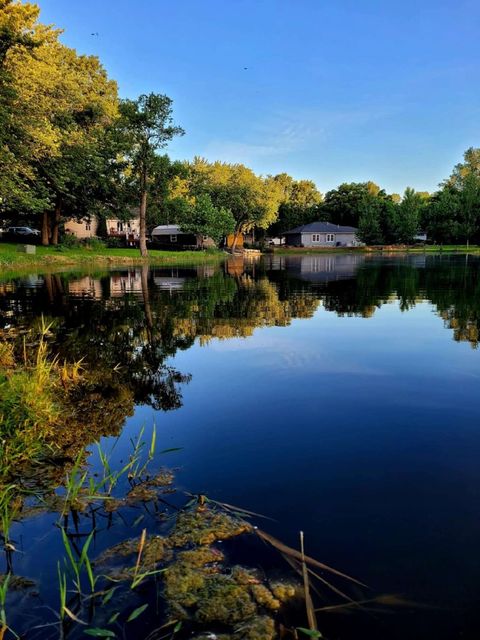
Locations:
{"points": [[94, 34]]}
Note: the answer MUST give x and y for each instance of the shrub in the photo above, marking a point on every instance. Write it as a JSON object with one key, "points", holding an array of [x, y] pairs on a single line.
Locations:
{"points": [[113, 242], [70, 241], [94, 243]]}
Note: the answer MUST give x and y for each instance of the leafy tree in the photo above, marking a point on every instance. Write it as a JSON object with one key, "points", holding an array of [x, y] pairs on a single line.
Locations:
{"points": [[252, 200], [344, 204], [409, 215], [369, 223], [299, 202], [54, 103], [146, 125], [469, 209], [439, 217], [203, 218]]}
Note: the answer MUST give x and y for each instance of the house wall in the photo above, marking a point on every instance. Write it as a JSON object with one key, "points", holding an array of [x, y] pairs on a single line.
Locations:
{"points": [[83, 229], [345, 239], [164, 240], [294, 239], [117, 227], [183, 240]]}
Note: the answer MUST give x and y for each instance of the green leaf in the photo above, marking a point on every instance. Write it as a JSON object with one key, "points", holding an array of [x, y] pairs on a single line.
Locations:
{"points": [[178, 626], [99, 633], [137, 612], [113, 618], [312, 633], [109, 594]]}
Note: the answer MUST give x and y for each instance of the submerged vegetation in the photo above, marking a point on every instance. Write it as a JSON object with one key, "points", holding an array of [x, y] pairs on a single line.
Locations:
{"points": [[178, 577]]}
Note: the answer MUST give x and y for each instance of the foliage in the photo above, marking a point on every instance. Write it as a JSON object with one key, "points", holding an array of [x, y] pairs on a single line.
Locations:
{"points": [[252, 200], [203, 218], [56, 107], [409, 213], [145, 126]]}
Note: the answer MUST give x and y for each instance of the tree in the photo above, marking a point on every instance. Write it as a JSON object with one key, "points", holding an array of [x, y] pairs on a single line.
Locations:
{"points": [[53, 105], [203, 218], [369, 223], [439, 217], [146, 125], [409, 215], [252, 200], [299, 202], [343, 205], [469, 209]]}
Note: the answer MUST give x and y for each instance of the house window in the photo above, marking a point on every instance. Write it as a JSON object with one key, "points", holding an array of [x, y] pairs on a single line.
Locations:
{"points": [[316, 237], [173, 238], [330, 237], [88, 226], [119, 226]]}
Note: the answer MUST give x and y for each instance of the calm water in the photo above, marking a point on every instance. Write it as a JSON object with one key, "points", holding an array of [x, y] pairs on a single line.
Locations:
{"points": [[335, 394]]}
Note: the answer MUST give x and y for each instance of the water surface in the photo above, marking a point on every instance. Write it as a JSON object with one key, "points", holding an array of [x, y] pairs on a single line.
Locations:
{"points": [[335, 394]]}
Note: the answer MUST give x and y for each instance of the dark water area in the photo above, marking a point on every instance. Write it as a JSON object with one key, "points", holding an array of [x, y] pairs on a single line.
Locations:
{"points": [[338, 395]]}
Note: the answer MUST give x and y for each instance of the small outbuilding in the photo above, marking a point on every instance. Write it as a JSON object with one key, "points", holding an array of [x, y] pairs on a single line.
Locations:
{"points": [[322, 234], [170, 236]]}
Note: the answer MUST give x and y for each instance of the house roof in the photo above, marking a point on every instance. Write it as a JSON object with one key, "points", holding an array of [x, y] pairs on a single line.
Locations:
{"points": [[167, 230], [321, 227]]}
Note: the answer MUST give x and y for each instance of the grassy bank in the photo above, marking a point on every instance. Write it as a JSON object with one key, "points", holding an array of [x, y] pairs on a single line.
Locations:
{"points": [[430, 248], [12, 260]]}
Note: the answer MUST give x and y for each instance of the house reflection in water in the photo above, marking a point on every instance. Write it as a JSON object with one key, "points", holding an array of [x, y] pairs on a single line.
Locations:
{"points": [[86, 287], [319, 268], [123, 282]]}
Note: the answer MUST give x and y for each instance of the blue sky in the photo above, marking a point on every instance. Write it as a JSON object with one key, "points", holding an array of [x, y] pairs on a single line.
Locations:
{"points": [[329, 90]]}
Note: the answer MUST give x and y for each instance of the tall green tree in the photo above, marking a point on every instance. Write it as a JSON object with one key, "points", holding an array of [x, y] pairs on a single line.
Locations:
{"points": [[203, 218], [369, 221], [146, 125], [344, 204], [409, 216], [252, 200]]}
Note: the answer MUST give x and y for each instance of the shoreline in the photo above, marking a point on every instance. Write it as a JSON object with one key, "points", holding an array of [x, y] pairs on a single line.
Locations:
{"points": [[387, 249], [13, 262]]}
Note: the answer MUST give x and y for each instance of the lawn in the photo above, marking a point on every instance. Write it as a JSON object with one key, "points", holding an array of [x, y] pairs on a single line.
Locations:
{"points": [[11, 259]]}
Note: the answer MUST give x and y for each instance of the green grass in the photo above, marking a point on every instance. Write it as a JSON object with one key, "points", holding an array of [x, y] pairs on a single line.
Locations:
{"points": [[429, 248], [12, 260]]}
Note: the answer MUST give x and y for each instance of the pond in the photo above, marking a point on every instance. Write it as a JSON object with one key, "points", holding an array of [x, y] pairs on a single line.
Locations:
{"points": [[335, 394]]}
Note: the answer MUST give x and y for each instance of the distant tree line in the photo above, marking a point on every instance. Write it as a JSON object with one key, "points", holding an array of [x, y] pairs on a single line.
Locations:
{"points": [[71, 148]]}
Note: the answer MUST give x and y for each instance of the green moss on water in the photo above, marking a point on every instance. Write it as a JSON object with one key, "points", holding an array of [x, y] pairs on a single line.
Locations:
{"points": [[200, 527], [200, 588]]}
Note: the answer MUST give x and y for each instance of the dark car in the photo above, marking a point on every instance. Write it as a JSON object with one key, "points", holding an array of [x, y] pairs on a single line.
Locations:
{"points": [[22, 233]]}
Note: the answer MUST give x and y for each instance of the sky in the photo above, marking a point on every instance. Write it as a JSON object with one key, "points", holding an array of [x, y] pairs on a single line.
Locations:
{"points": [[328, 90]]}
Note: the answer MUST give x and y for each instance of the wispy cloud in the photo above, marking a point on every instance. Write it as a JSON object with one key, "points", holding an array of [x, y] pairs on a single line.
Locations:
{"points": [[280, 134]]}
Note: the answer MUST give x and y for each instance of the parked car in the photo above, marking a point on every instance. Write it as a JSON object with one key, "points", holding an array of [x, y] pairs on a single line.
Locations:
{"points": [[22, 233]]}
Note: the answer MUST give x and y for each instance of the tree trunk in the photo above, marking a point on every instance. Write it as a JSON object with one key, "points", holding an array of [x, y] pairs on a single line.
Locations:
{"points": [[56, 221], [143, 217], [236, 235], [45, 229], [146, 304]]}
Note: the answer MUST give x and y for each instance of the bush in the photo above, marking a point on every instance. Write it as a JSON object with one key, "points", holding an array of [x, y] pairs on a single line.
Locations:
{"points": [[94, 243], [113, 242], [69, 241]]}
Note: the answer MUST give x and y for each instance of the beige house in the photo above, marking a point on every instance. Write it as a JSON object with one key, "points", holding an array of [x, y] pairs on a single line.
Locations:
{"points": [[84, 229], [121, 228], [89, 228]]}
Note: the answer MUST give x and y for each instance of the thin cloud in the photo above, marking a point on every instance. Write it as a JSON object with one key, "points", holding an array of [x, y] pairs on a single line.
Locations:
{"points": [[280, 135]]}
